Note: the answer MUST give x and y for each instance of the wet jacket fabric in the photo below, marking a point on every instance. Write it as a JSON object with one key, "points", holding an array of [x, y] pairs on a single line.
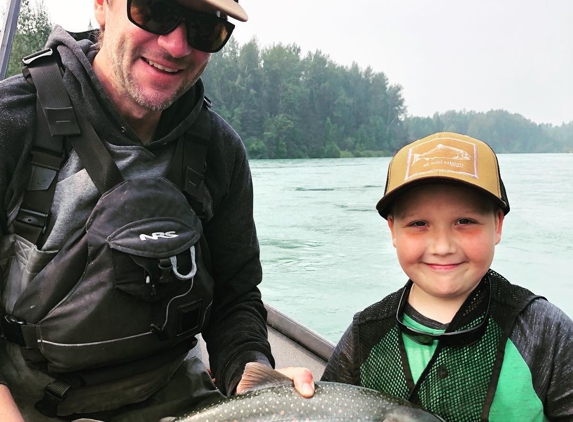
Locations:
{"points": [[526, 376], [236, 333]]}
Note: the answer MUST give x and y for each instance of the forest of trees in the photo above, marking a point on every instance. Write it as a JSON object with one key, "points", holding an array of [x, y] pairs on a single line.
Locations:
{"points": [[286, 104], [33, 29]]}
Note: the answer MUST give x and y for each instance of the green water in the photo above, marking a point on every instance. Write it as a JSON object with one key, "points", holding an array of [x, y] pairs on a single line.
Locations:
{"points": [[327, 254]]}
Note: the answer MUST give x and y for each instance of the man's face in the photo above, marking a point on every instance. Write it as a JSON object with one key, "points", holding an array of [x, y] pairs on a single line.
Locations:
{"points": [[445, 236], [139, 70]]}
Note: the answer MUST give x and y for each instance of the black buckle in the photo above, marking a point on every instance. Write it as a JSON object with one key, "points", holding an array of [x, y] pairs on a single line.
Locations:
{"points": [[194, 184], [47, 159], [54, 393], [33, 218], [62, 121], [12, 329], [46, 52]]}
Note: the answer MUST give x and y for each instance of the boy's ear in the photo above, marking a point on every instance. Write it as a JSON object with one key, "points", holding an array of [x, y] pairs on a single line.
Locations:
{"points": [[390, 220], [499, 216]]}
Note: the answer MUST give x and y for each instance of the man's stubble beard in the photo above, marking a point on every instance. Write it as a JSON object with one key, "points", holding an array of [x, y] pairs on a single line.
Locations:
{"points": [[133, 89]]}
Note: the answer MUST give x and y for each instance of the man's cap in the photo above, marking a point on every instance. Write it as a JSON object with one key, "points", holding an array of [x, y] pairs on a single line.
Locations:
{"points": [[230, 8], [444, 157]]}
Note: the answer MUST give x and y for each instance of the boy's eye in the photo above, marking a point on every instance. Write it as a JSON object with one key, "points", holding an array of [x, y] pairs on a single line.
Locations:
{"points": [[465, 221], [418, 224]]}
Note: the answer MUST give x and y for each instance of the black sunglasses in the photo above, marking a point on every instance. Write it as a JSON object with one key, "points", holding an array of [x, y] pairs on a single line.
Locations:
{"points": [[459, 338], [207, 33]]}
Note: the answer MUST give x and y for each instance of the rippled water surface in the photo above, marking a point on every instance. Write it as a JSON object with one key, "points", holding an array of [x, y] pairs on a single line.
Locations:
{"points": [[327, 254]]}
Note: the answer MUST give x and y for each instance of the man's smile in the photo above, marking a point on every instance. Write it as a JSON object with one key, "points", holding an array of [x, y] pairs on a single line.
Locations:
{"points": [[160, 67]]}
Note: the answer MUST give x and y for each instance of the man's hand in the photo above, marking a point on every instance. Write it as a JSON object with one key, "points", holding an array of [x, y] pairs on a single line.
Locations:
{"points": [[301, 377], [8, 410]]}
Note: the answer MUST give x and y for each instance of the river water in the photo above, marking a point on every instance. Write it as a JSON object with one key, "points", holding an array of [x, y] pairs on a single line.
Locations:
{"points": [[326, 253]]}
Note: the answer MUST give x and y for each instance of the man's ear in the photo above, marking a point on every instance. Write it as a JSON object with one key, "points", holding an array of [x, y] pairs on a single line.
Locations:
{"points": [[100, 7]]}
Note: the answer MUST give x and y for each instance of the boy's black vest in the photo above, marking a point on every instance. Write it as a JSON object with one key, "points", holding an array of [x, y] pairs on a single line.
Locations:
{"points": [[459, 383], [128, 292]]}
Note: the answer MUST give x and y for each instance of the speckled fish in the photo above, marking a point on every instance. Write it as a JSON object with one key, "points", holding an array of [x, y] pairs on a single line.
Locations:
{"points": [[272, 397]]}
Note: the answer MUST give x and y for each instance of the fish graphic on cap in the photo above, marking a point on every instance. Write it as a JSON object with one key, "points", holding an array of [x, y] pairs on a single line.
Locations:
{"points": [[442, 151]]}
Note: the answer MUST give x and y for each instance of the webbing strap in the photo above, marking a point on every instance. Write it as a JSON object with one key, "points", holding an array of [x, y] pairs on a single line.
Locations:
{"points": [[56, 119], [95, 157], [54, 393], [54, 115], [63, 121], [52, 93], [188, 167]]}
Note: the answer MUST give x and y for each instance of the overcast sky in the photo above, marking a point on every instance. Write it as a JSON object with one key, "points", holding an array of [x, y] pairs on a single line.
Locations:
{"points": [[477, 55]]}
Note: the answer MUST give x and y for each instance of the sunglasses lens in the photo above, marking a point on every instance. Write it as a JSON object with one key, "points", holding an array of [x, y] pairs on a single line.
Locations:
{"points": [[206, 33], [155, 16]]}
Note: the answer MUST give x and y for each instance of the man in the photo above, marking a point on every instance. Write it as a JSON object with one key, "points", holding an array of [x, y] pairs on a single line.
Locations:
{"points": [[139, 88]]}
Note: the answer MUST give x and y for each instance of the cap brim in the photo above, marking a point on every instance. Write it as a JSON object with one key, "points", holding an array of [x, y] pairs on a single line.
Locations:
{"points": [[383, 206], [230, 8]]}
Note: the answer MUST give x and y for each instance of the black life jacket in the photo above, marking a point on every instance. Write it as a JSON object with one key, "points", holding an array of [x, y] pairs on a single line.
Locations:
{"points": [[128, 292]]}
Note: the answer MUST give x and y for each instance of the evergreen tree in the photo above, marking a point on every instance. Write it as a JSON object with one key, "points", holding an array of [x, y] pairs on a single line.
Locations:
{"points": [[31, 34]]}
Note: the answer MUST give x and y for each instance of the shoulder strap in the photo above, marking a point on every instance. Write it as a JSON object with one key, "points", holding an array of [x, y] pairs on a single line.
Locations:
{"points": [[187, 170], [55, 115]]}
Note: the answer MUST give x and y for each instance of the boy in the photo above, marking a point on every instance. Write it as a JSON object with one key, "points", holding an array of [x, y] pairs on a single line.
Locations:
{"points": [[458, 339]]}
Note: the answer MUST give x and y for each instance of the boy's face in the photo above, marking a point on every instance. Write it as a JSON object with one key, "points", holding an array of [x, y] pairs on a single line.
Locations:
{"points": [[445, 236]]}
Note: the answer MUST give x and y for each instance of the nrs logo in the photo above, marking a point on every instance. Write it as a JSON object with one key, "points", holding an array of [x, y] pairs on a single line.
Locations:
{"points": [[159, 235]]}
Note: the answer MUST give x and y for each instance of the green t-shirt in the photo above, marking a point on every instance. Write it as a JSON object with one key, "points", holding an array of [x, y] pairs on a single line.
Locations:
{"points": [[514, 400]]}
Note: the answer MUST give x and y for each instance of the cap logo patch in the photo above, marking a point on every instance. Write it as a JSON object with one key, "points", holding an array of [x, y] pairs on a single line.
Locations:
{"points": [[451, 156]]}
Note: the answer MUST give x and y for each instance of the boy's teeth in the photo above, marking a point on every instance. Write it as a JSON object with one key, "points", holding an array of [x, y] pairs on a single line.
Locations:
{"points": [[158, 66]]}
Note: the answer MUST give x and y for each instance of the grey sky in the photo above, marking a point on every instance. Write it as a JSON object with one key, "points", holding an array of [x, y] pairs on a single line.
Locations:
{"points": [[447, 54]]}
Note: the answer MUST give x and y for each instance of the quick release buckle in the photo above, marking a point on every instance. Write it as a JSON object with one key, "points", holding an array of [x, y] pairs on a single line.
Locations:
{"points": [[54, 393], [11, 329], [33, 218], [46, 52]]}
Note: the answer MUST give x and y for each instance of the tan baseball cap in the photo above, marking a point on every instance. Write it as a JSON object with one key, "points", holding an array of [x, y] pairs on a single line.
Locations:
{"points": [[230, 8], [444, 157]]}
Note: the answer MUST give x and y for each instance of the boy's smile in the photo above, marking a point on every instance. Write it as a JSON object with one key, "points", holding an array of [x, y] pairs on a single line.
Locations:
{"points": [[445, 236]]}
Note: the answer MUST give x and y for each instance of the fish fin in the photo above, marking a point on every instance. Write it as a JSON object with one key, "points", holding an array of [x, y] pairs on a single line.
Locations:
{"points": [[257, 375]]}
